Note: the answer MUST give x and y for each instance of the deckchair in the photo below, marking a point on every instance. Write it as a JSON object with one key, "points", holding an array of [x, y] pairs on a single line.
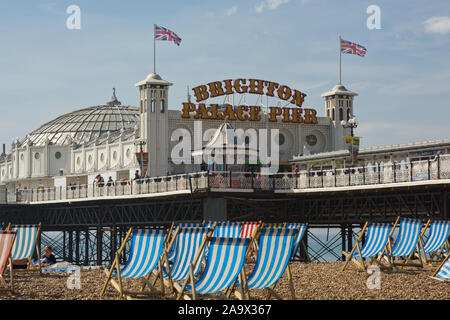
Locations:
{"points": [[406, 244], [376, 241], [190, 243], [442, 273], [171, 255], [6, 243], [226, 229], [147, 246], [275, 250], [437, 241], [248, 229], [223, 265], [298, 240], [25, 245]]}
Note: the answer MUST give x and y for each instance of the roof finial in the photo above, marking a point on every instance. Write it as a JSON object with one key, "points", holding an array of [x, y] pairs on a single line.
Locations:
{"points": [[113, 101]]}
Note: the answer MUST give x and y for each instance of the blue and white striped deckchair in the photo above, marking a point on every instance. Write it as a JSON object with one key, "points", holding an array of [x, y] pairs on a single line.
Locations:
{"points": [[437, 238], [407, 243], [189, 242], [301, 231], [443, 271], [227, 230], [224, 263], [26, 242], [275, 250], [171, 255], [376, 240], [147, 246]]}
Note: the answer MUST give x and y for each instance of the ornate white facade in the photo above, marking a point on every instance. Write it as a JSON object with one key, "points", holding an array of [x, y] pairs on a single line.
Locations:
{"points": [[75, 147]]}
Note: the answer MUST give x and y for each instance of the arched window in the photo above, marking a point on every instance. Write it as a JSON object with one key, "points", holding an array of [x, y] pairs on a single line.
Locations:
{"points": [[328, 113], [162, 106], [332, 114], [153, 105], [348, 114], [341, 114]]}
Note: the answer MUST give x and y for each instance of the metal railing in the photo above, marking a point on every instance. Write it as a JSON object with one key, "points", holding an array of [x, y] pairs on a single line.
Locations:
{"points": [[387, 173]]}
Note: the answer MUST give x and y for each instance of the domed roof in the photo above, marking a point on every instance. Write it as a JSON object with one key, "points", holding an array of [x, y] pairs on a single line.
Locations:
{"points": [[85, 125]]}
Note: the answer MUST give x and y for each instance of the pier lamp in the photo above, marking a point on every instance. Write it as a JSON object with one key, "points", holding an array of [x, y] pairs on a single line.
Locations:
{"points": [[352, 123]]}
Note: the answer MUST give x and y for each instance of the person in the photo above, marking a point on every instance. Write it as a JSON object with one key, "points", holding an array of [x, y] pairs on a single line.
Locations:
{"points": [[137, 177], [110, 182], [296, 169], [48, 258], [101, 181]]}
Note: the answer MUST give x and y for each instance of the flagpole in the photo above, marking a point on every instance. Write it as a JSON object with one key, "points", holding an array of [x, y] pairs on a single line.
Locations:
{"points": [[340, 61], [154, 50]]}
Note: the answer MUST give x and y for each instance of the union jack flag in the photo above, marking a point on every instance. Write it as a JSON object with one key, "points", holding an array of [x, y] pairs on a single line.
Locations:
{"points": [[352, 48], [162, 33]]}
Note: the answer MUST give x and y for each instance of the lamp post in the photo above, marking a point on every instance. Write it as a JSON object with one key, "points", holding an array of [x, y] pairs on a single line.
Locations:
{"points": [[352, 123]]}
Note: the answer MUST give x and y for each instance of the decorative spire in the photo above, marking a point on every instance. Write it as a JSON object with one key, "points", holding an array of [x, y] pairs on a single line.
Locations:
{"points": [[113, 101]]}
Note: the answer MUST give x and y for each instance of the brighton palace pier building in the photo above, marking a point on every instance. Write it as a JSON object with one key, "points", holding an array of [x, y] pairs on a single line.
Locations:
{"points": [[105, 139]]}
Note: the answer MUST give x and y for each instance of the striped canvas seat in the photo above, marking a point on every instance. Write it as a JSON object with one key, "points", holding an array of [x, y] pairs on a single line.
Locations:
{"points": [[227, 230], [443, 272], [6, 244], [301, 231], [247, 229], [25, 242], [224, 263], [408, 237], [439, 233], [376, 239], [188, 243], [146, 249], [171, 255], [275, 248]]}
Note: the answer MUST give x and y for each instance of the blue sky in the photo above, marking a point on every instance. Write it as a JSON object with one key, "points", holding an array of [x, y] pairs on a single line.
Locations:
{"points": [[403, 82]]}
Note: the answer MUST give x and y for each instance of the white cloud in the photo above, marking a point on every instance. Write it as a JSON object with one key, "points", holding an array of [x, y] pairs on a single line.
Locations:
{"points": [[270, 4], [439, 25], [231, 11]]}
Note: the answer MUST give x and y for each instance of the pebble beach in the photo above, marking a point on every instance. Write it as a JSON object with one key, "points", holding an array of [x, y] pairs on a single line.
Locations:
{"points": [[312, 281]]}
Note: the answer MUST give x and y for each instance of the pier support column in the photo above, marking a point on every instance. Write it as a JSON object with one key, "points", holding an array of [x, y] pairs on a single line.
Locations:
{"points": [[215, 209], [99, 245], [343, 240], [349, 238]]}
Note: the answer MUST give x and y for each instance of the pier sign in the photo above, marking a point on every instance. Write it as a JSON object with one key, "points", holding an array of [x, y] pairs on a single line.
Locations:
{"points": [[246, 112]]}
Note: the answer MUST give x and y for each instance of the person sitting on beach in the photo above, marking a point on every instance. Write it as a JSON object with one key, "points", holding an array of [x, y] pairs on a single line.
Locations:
{"points": [[48, 258]]}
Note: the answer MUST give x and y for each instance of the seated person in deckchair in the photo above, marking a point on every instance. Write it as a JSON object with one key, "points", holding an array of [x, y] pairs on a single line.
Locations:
{"points": [[48, 258]]}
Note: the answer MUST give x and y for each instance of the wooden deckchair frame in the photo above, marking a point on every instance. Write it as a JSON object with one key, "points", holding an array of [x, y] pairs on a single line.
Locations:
{"points": [[436, 256], [244, 291], [362, 264], [116, 265], [439, 268], [5, 288], [174, 287], [190, 279], [30, 264], [402, 261]]}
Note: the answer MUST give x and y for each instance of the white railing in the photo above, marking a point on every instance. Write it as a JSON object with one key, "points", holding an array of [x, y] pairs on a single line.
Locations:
{"points": [[343, 177]]}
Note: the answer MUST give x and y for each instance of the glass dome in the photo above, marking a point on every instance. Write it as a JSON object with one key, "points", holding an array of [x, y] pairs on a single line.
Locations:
{"points": [[85, 125]]}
